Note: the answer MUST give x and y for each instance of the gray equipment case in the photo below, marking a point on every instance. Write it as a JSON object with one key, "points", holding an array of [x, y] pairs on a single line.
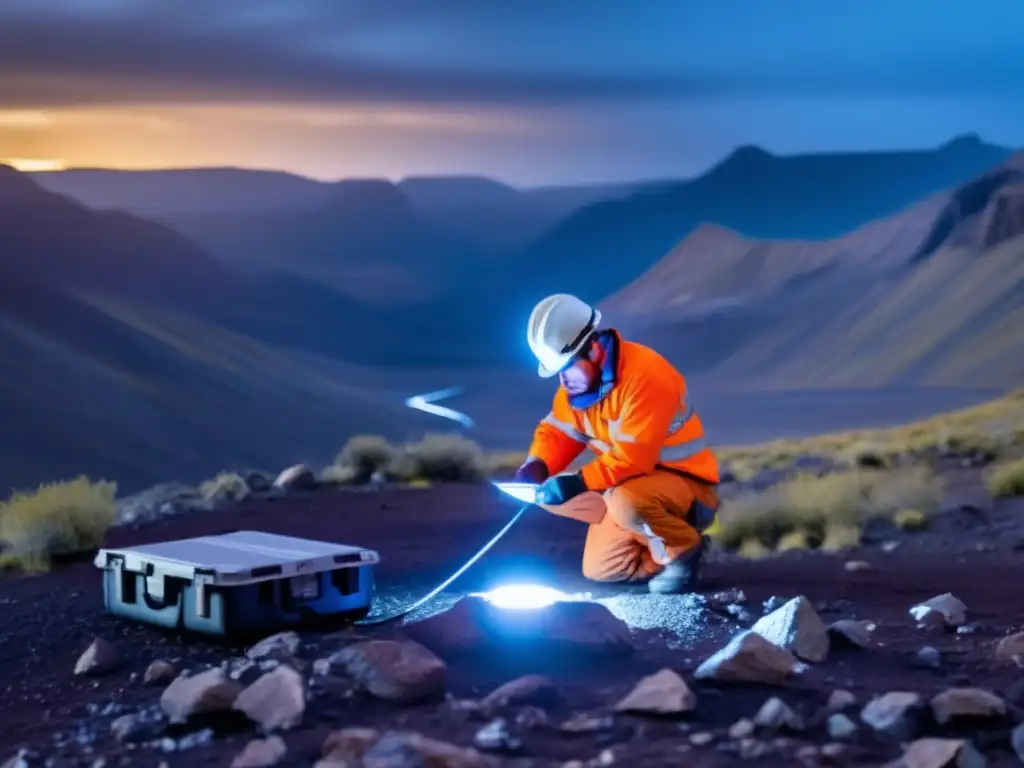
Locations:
{"points": [[239, 583]]}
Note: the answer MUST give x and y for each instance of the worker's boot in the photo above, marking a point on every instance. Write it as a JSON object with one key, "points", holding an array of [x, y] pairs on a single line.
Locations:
{"points": [[680, 575]]}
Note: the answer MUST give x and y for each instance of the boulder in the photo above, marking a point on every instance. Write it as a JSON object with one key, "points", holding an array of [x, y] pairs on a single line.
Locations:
{"points": [[276, 701], [953, 612], [955, 703], [897, 714], [663, 693], [208, 692], [750, 658], [100, 658], [261, 753], [796, 627], [400, 671], [570, 628], [298, 478]]}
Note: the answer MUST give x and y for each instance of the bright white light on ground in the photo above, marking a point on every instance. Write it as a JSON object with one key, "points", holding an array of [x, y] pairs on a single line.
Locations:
{"points": [[525, 596]]}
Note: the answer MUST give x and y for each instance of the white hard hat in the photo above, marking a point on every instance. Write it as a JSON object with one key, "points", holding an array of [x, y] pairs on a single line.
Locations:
{"points": [[559, 327]]}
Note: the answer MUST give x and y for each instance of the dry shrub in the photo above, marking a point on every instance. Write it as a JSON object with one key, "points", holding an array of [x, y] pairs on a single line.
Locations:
{"points": [[828, 511], [363, 455], [443, 458], [225, 487], [338, 476], [57, 520], [1006, 479]]}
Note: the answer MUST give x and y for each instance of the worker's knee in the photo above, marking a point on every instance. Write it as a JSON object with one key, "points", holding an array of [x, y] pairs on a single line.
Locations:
{"points": [[609, 570], [625, 508]]}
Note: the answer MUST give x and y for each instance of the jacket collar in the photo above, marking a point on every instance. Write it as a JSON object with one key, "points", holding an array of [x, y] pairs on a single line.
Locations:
{"points": [[610, 341]]}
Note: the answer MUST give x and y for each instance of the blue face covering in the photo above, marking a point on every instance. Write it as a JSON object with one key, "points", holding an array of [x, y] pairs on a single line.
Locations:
{"points": [[609, 341]]}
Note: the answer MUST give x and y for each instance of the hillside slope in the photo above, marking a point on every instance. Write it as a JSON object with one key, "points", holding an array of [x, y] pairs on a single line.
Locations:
{"points": [[932, 296]]}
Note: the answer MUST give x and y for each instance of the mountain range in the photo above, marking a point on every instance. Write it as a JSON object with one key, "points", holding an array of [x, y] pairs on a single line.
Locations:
{"points": [[245, 318]]}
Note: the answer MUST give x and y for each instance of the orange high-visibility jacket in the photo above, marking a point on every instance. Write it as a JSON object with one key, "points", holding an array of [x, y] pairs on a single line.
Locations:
{"points": [[646, 420]]}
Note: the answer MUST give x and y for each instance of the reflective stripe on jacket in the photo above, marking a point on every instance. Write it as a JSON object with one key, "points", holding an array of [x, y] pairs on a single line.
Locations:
{"points": [[646, 420]]}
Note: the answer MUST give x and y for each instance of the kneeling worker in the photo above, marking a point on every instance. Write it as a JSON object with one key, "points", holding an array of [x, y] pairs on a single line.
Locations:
{"points": [[652, 491]]}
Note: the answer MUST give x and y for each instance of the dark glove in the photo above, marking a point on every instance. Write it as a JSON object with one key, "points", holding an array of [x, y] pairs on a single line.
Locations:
{"points": [[533, 471], [560, 488]]}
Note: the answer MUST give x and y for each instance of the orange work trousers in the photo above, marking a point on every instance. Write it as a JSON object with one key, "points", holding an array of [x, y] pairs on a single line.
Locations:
{"points": [[638, 526]]}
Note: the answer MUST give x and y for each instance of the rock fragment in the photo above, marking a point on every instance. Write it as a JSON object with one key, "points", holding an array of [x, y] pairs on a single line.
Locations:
{"points": [[940, 753], [840, 727], [261, 753], [775, 714], [1017, 741], [952, 611], [496, 737], [663, 693], [535, 690], [100, 658], [348, 745], [283, 645], [276, 701], [207, 692], [897, 714], [851, 633], [955, 703], [300, 478], [857, 566], [797, 628], [159, 672], [1011, 649], [840, 699], [929, 658], [749, 657], [395, 749], [400, 671], [741, 729]]}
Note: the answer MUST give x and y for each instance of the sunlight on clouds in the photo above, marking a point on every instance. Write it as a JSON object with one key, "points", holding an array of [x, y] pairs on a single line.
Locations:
{"points": [[20, 118], [33, 164]]}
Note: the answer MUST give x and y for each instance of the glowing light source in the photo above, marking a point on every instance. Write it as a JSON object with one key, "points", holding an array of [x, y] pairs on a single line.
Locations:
{"points": [[524, 596], [33, 164], [524, 492], [426, 402]]}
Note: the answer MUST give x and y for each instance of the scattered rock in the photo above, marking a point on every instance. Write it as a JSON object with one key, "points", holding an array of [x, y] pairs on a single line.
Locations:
{"points": [[701, 739], [347, 746], [207, 692], [531, 689], [495, 737], [956, 703], [276, 701], [939, 753], [840, 699], [929, 658], [749, 657], [395, 749], [258, 482], [773, 603], [99, 658], [138, 727], [897, 714], [584, 723], [776, 715], [261, 753], [1017, 741], [752, 749], [283, 645], [663, 693], [840, 727], [159, 672], [851, 633], [742, 729], [856, 566], [953, 612], [571, 628], [400, 671], [298, 478], [1011, 649], [797, 628]]}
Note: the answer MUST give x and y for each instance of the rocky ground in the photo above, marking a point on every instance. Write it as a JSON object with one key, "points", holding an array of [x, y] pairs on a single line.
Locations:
{"points": [[798, 659]]}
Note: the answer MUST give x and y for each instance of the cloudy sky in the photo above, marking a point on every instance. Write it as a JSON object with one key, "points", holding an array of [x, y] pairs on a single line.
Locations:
{"points": [[529, 91]]}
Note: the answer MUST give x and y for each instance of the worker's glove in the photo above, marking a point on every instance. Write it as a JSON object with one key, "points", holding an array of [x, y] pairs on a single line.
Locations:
{"points": [[533, 471], [560, 488]]}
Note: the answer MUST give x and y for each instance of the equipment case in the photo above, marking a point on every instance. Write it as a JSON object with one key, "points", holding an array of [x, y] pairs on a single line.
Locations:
{"points": [[239, 583]]}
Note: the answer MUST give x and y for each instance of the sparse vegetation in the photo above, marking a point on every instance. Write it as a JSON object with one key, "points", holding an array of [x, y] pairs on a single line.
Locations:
{"points": [[224, 488], [363, 455], [57, 520], [827, 512], [443, 458], [1007, 479]]}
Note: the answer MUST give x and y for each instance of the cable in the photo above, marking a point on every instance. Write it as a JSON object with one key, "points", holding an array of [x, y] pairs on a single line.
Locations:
{"points": [[440, 587], [425, 403]]}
